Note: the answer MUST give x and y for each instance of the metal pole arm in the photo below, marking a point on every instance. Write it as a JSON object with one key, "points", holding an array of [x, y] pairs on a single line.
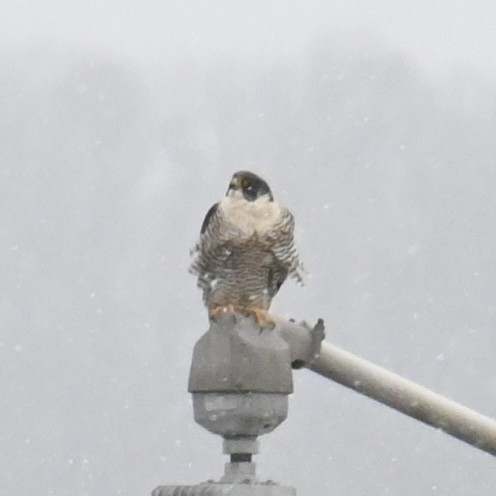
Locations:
{"points": [[406, 396], [395, 391]]}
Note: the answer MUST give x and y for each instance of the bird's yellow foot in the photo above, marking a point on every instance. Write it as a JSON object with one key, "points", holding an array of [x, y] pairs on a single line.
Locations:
{"points": [[216, 312], [262, 318]]}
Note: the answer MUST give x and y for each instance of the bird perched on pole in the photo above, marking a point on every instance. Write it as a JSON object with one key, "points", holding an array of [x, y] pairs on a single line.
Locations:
{"points": [[246, 250]]}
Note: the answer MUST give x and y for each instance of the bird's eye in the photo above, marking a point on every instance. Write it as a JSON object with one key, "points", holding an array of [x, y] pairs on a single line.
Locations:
{"points": [[245, 183]]}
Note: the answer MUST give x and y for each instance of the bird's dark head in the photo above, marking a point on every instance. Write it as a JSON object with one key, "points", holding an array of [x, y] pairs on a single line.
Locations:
{"points": [[251, 186]]}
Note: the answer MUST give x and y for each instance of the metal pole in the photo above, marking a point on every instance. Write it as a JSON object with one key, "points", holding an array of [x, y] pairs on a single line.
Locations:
{"points": [[240, 379], [406, 396]]}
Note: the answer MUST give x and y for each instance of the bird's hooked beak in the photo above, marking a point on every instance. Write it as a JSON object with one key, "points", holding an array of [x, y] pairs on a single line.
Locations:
{"points": [[235, 184]]}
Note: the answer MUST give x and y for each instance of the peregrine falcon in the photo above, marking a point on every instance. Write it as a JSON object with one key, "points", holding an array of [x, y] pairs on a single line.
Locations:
{"points": [[246, 250]]}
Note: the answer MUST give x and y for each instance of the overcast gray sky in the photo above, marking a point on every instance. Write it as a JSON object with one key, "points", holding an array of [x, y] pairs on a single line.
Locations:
{"points": [[122, 122], [436, 33]]}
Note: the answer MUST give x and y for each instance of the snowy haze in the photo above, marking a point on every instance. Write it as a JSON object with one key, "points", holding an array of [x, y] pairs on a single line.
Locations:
{"points": [[121, 124]]}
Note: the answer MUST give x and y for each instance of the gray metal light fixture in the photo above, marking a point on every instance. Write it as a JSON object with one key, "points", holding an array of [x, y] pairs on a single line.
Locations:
{"points": [[240, 380], [241, 377]]}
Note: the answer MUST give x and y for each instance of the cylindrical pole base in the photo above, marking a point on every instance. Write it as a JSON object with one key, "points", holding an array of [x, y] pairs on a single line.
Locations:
{"points": [[219, 489]]}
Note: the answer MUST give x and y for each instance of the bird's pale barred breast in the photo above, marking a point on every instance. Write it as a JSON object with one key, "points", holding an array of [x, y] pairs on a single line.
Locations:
{"points": [[242, 278]]}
